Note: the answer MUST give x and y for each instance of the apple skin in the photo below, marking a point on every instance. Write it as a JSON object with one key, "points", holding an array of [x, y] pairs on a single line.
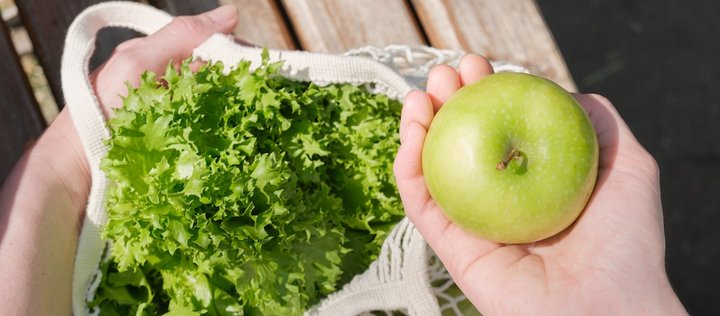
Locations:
{"points": [[539, 193]]}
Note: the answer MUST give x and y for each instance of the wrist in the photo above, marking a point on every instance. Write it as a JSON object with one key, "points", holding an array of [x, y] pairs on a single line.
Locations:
{"points": [[41, 213], [637, 294], [669, 302], [657, 298], [63, 155]]}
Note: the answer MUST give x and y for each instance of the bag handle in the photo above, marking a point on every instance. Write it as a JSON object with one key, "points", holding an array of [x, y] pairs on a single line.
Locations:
{"points": [[89, 121], [299, 65], [82, 103]]}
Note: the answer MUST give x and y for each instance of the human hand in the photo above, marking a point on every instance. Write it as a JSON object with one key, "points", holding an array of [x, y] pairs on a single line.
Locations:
{"points": [[610, 261], [43, 200], [173, 43]]}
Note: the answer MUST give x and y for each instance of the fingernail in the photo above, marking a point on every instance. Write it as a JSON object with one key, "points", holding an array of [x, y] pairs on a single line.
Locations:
{"points": [[223, 13]]}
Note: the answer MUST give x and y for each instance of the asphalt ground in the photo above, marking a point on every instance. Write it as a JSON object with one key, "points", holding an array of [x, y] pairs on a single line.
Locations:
{"points": [[659, 63]]}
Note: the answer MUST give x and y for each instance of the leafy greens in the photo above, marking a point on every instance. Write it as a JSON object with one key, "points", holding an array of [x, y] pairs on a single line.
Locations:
{"points": [[243, 193]]}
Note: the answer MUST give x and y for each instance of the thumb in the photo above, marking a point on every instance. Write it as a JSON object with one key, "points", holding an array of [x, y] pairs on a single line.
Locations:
{"points": [[185, 33], [174, 42]]}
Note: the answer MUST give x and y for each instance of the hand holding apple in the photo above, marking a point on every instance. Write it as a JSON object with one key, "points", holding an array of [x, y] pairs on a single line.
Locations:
{"points": [[512, 158], [610, 261]]}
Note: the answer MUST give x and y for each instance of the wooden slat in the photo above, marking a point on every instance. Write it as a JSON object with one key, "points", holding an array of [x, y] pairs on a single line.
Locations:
{"points": [[261, 23], [47, 22], [185, 7], [510, 30], [338, 25], [20, 118]]}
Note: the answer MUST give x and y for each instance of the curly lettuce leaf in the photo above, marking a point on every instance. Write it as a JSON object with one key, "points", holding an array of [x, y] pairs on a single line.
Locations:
{"points": [[244, 192]]}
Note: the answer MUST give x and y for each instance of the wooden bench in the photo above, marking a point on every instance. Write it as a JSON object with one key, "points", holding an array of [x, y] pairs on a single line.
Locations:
{"points": [[510, 30]]}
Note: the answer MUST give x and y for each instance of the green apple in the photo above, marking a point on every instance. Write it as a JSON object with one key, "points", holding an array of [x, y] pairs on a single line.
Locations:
{"points": [[512, 158]]}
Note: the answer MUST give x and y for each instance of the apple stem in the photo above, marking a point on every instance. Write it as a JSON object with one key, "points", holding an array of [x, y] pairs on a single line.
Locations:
{"points": [[513, 154]]}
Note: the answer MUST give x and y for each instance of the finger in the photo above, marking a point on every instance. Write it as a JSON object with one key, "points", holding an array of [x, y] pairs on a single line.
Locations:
{"points": [[418, 108], [625, 169], [457, 248], [435, 226], [473, 68], [173, 42], [602, 117], [416, 116], [183, 34], [443, 81], [128, 44], [408, 170], [613, 133], [196, 64]]}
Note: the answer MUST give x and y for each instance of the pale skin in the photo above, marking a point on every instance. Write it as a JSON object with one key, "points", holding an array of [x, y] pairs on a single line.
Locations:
{"points": [[611, 262], [43, 200]]}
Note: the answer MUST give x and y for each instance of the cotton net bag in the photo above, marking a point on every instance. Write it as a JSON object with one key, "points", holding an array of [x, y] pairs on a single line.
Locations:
{"points": [[406, 277]]}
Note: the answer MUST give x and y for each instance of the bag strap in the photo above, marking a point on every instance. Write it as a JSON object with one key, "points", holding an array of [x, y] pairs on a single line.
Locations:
{"points": [[82, 103], [319, 68], [89, 121], [80, 43], [84, 106]]}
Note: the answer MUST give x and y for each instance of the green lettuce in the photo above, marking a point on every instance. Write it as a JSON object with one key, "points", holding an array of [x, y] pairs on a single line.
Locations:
{"points": [[243, 192]]}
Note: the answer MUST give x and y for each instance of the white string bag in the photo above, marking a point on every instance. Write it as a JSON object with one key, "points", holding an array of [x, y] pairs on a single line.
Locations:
{"points": [[402, 277]]}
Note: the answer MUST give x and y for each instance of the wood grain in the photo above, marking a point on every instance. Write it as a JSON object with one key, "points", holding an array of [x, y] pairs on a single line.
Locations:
{"points": [[510, 30], [261, 23], [338, 25], [184, 7], [21, 120], [47, 22]]}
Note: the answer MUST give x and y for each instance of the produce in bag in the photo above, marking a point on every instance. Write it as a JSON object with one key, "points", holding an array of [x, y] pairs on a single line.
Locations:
{"points": [[243, 192]]}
